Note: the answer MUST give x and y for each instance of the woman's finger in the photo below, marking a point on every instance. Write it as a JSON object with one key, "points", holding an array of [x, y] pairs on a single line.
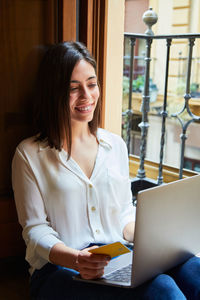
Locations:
{"points": [[91, 273]]}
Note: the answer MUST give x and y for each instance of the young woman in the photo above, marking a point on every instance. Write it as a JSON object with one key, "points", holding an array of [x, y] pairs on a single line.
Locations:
{"points": [[72, 189]]}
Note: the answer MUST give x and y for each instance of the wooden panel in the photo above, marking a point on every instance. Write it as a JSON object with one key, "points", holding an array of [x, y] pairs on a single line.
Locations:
{"points": [[90, 23], [25, 27], [69, 20], [83, 17], [92, 32], [151, 168], [100, 47], [87, 23]]}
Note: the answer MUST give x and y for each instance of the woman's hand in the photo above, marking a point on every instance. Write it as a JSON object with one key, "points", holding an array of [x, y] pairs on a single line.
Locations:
{"points": [[90, 265]]}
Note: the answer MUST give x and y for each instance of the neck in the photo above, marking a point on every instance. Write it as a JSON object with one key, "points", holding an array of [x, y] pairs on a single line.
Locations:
{"points": [[80, 130], [80, 134]]}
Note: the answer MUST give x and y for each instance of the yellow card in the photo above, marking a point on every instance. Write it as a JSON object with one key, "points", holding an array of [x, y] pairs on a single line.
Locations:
{"points": [[113, 250]]}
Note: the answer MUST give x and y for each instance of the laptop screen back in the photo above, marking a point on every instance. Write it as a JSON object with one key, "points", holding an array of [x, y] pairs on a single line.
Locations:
{"points": [[167, 227]]}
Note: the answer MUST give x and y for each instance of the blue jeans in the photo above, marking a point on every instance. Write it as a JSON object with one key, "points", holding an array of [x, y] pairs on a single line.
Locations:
{"points": [[53, 282]]}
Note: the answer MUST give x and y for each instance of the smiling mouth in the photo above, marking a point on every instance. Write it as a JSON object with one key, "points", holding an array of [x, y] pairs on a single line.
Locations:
{"points": [[84, 108]]}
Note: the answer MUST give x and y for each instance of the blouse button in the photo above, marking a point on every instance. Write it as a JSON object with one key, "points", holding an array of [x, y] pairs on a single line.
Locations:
{"points": [[97, 231], [93, 208], [90, 185]]}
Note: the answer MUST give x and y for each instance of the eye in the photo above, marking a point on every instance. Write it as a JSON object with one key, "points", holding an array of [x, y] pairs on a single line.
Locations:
{"points": [[92, 85], [73, 89]]}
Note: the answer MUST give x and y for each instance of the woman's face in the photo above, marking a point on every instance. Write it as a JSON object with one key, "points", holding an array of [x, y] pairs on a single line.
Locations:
{"points": [[84, 92]]}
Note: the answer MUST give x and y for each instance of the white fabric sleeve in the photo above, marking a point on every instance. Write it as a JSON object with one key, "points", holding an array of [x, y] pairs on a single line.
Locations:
{"points": [[38, 235], [128, 211]]}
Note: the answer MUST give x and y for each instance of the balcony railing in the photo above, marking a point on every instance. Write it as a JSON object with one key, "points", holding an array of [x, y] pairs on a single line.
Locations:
{"points": [[141, 181]]}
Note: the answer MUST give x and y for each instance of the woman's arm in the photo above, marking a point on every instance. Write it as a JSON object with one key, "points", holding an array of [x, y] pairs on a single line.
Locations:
{"points": [[38, 235], [89, 265]]}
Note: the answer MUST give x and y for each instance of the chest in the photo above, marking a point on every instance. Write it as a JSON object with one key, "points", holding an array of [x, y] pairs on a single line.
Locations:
{"points": [[85, 157]]}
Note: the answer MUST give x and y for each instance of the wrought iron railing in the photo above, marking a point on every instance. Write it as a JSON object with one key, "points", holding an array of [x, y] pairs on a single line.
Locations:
{"points": [[150, 18]]}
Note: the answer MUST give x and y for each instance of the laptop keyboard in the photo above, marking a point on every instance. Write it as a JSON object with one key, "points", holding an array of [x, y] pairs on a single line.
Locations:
{"points": [[123, 275]]}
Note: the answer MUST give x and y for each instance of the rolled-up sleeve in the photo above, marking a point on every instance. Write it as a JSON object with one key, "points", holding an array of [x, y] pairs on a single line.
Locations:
{"points": [[38, 235]]}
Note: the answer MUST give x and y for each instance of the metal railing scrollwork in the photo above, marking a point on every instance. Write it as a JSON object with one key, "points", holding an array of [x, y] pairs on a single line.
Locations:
{"points": [[150, 18]]}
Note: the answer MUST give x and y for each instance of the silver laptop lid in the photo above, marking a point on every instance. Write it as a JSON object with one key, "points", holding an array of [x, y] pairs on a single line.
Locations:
{"points": [[167, 227]]}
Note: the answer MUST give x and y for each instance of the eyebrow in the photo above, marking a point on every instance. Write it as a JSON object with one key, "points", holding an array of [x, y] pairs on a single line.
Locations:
{"points": [[76, 81]]}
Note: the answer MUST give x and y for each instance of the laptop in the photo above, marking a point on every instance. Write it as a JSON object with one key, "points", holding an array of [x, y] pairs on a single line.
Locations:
{"points": [[166, 234]]}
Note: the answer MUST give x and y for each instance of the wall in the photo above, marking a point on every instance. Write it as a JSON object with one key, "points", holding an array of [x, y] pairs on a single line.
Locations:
{"points": [[134, 11], [175, 17], [164, 13], [114, 66], [172, 149], [195, 23]]}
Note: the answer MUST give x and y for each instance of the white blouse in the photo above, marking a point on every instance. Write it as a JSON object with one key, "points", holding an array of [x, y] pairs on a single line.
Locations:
{"points": [[57, 202]]}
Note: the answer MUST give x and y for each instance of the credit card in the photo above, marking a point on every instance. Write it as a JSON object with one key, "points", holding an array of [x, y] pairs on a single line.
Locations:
{"points": [[113, 250]]}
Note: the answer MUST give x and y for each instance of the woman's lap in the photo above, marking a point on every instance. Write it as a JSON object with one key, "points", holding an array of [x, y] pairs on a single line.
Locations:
{"points": [[54, 282], [187, 277]]}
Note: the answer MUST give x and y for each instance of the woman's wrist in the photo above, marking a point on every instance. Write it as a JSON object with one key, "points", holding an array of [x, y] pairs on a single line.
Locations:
{"points": [[64, 256]]}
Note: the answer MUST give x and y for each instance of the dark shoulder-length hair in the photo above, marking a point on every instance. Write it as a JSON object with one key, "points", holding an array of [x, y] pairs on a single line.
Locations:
{"points": [[52, 112]]}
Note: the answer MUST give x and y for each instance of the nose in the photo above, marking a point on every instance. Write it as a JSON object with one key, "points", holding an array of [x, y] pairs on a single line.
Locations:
{"points": [[85, 93]]}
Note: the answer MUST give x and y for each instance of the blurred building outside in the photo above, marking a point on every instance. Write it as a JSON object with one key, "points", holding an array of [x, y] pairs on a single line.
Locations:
{"points": [[174, 17]]}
